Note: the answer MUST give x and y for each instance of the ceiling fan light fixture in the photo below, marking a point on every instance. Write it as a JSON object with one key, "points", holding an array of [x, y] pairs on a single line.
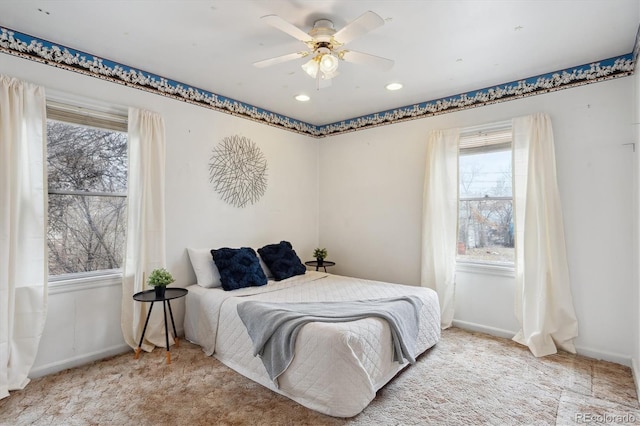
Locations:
{"points": [[311, 68], [328, 63]]}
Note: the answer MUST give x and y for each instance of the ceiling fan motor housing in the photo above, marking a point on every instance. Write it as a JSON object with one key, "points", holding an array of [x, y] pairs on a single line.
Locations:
{"points": [[322, 31]]}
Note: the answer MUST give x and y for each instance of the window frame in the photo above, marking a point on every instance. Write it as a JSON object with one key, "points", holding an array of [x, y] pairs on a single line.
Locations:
{"points": [[484, 139], [103, 117]]}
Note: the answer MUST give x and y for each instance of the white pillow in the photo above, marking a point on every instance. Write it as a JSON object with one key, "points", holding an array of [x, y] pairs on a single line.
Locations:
{"points": [[207, 274]]}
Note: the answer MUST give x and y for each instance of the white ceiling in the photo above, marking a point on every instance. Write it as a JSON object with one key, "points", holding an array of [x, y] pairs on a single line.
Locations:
{"points": [[440, 48]]}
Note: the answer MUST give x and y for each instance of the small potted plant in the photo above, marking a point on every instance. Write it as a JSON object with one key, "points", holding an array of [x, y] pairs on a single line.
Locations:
{"points": [[320, 254], [159, 279]]}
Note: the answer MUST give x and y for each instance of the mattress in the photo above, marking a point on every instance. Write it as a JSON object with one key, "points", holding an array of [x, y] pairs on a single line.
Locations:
{"points": [[337, 367]]}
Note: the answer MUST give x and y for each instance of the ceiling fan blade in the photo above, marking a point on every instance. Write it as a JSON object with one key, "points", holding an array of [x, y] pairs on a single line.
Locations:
{"points": [[366, 22], [295, 32], [382, 64], [279, 59]]}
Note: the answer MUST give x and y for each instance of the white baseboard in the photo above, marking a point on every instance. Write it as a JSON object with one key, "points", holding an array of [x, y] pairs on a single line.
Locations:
{"points": [[635, 369], [484, 329], [604, 355], [588, 352], [83, 359]]}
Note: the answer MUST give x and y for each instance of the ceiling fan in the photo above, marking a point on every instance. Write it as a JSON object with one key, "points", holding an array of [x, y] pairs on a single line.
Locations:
{"points": [[326, 46]]}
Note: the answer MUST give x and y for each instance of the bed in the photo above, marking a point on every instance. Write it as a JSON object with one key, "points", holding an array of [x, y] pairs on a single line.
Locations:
{"points": [[337, 367]]}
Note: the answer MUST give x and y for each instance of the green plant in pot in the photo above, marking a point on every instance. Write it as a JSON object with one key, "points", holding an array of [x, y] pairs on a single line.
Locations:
{"points": [[159, 279], [320, 254]]}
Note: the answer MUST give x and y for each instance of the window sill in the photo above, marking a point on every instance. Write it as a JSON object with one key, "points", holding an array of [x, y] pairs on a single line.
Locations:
{"points": [[80, 282], [486, 269]]}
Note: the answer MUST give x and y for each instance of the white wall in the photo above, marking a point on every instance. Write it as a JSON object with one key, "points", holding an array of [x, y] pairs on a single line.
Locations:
{"points": [[83, 323], [366, 209], [371, 203], [484, 301], [636, 214]]}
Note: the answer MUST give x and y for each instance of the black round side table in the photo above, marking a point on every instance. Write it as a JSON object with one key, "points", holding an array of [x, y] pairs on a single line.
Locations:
{"points": [[150, 296], [319, 265]]}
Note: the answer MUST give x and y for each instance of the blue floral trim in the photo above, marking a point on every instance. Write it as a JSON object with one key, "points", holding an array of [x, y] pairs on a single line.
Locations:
{"points": [[29, 47], [598, 71]]}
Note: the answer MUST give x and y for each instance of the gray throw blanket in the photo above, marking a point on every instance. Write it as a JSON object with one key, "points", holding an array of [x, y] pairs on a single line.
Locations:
{"points": [[273, 327]]}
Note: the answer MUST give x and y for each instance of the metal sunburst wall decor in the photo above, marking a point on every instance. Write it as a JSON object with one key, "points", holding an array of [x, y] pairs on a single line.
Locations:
{"points": [[238, 171]]}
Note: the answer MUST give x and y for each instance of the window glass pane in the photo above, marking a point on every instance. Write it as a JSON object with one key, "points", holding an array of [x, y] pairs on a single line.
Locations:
{"points": [[485, 222], [485, 231], [485, 174], [86, 233], [85, 158]]}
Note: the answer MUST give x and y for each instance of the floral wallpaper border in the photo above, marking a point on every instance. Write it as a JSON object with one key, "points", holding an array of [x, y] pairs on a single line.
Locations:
{"points": [[39, 50], [607, 69], [32, 48]]}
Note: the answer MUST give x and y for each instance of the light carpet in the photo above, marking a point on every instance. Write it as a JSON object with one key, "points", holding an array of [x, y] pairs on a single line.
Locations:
{"points": [[466, 379]]}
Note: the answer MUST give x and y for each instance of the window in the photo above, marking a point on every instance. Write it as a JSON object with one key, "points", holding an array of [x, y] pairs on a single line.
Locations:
{"points": [[485, 208], [87, 185]]}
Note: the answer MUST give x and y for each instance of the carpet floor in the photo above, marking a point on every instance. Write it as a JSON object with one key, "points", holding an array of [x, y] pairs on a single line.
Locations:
{"points": [[466, 379]]}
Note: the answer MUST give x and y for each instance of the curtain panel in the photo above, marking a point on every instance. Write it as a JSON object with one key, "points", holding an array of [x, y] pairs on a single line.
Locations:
{"points": [[544, 304], [145, 241], [23, 221], [440, 219]]}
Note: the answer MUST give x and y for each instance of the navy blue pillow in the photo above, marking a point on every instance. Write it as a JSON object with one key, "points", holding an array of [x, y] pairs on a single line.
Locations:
{"points": [[238, 268], [282, 260]]}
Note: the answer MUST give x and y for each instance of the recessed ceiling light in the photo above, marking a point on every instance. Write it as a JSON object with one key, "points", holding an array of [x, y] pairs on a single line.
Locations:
{"points": [[301, 97], [393, 86]]}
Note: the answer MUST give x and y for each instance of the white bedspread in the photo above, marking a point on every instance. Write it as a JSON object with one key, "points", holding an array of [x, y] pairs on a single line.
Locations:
{"points": [[338, 367]]}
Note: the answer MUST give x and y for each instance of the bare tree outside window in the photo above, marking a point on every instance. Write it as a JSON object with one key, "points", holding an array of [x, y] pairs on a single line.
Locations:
{"points": [[485, 221], [87, 172]]}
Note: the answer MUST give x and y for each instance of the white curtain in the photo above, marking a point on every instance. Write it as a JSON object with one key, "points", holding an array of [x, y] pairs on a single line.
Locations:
{"points": [[145, 248], [23, 245], [440, 219], [544, 306]]}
